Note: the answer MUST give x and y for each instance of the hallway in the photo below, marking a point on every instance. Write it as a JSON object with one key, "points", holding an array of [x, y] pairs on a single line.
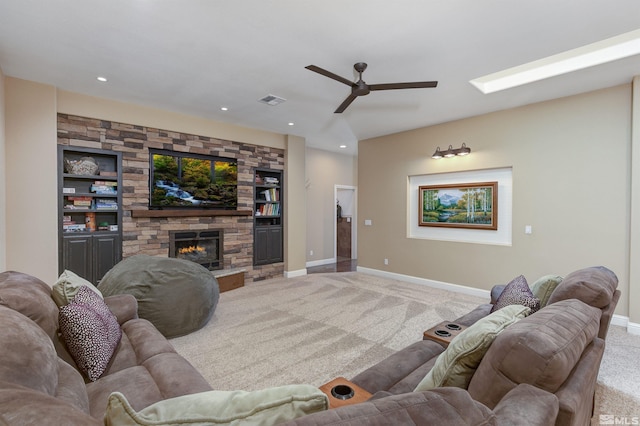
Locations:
{"points": [[342, 265]]}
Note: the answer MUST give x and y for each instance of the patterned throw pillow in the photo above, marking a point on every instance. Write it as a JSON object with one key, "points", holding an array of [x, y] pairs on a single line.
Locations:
{"points": [[517, 292], [90, 331]]}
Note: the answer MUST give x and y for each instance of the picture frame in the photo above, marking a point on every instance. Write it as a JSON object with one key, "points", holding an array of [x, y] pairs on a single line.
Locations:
{"points": [[448, 205]]}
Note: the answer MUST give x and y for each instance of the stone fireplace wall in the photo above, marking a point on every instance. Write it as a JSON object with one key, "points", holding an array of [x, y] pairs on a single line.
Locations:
{"points": [[150, 235]]}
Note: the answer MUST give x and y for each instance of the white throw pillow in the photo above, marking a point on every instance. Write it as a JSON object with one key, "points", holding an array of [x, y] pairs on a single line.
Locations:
{"points": [[456, 365], [67, 286], [264, 407]]}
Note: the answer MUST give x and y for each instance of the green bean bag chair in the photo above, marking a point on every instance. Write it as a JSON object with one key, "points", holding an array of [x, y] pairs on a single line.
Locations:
{"points": [[177, 296]]}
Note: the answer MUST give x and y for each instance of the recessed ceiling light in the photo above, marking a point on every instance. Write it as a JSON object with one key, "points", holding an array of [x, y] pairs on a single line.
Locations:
{"points": [[291, 124], [343, 146], [609, 50], [102, 79], [224, 108]]}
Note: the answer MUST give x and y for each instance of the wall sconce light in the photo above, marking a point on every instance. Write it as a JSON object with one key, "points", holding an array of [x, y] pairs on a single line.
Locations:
{"points": [[451, 152]]}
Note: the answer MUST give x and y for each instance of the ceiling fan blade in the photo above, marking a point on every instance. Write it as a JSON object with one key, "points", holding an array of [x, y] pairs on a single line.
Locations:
{"points": [[329, 74], [414, 85], [345, 103]]}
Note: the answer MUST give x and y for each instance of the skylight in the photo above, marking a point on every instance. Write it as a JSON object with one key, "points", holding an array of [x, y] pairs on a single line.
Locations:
{"points": [[608, 50]]}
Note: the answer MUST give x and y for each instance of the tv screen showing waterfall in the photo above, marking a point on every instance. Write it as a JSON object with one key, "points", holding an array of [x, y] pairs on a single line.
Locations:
{"points": [[183, 180]]}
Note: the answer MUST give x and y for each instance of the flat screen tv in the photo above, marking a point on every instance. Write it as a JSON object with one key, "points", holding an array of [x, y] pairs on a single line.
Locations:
{"points": [[184, 180]]}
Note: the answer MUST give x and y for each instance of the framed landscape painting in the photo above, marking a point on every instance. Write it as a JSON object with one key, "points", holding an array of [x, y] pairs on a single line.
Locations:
{"points": [[464, 205]]}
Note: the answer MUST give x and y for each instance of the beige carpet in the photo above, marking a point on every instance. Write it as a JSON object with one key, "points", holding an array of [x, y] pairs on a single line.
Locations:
{"points": [[314, 328]]}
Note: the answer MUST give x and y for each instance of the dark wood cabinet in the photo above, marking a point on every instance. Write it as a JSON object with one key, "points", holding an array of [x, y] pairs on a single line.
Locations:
{"points": [[90, 211], [268, 237]]}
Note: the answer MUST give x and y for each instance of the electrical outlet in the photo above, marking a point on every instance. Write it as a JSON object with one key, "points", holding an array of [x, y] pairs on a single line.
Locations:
{"points": [[386, 261], [310, 252]]}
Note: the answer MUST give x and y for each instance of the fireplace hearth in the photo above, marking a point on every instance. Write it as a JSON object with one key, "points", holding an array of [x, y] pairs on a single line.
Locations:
{"points": [[202, 247]]}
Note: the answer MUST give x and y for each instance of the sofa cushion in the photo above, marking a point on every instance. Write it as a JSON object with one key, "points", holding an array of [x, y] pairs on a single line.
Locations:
{"points": [[456, 365], [517, 292], [594, 286], [90, 331], [32, 298], [544, 287], [402, 370], [164, 375], [67, 286], [28, 356], [22, 406], [540, 350], [263, 407]]}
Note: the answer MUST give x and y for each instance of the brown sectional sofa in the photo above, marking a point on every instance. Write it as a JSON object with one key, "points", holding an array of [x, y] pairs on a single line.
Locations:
{"points": [[39, 381], [541, 370]]}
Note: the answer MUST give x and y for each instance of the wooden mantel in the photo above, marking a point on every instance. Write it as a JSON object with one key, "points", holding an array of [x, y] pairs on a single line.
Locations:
{"points": [[189, 213]]}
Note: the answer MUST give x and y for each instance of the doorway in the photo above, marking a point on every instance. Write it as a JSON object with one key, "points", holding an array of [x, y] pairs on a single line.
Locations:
{"points": [[345, 247], [344, 233]]}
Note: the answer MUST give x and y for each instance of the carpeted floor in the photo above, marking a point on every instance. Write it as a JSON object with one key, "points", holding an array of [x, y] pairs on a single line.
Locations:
{"points": [[314, 328]]}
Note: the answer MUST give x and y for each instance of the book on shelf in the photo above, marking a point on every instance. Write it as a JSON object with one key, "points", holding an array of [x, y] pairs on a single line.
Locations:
{"points": [[268, 210], [271, 194], [106, 204], [108, 173], [271, 180], [74, 227], [103, 189]]}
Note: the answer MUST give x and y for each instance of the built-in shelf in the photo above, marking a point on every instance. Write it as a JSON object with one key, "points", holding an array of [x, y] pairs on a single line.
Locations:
{"points": [[189, 213]]}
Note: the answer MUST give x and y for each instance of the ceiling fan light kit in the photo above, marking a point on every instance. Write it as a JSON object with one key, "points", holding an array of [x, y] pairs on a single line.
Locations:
{"points": [[360, 88]]}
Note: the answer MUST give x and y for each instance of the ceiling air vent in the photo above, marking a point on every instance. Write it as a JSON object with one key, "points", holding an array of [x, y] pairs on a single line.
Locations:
{"points": [[272, 100]]}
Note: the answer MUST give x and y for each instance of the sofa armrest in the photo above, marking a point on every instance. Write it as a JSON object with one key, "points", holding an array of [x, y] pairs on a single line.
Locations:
{"points": [[527, 405], [523, 405], [441, 406], [123, 306]]}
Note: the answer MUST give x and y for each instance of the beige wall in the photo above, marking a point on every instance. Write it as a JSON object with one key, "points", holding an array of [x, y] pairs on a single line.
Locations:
{"points": [[325, 169], [32, 229], [31, 108], [571, 183], [634, 250], [3, 180], [295, 207]]}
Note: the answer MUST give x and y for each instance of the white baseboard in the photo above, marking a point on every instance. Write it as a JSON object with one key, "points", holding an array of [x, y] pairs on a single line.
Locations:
{"points": [[622, 321], [619, 320], [633, 328], [293, 274], [431, 283], [320, 262]]}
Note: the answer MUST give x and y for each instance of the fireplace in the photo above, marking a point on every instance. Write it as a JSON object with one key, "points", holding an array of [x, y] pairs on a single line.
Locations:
{"points": [[203, 247]]}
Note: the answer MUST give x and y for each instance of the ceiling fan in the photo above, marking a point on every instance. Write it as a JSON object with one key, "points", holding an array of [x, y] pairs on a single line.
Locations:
{"points": [[360, 88]]}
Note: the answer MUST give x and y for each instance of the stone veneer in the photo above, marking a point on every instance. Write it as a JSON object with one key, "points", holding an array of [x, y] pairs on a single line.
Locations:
{"points": [[150, 235]]}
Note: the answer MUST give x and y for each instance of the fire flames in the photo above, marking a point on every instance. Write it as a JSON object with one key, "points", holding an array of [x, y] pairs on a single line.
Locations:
{"points": [[192, 249]]}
